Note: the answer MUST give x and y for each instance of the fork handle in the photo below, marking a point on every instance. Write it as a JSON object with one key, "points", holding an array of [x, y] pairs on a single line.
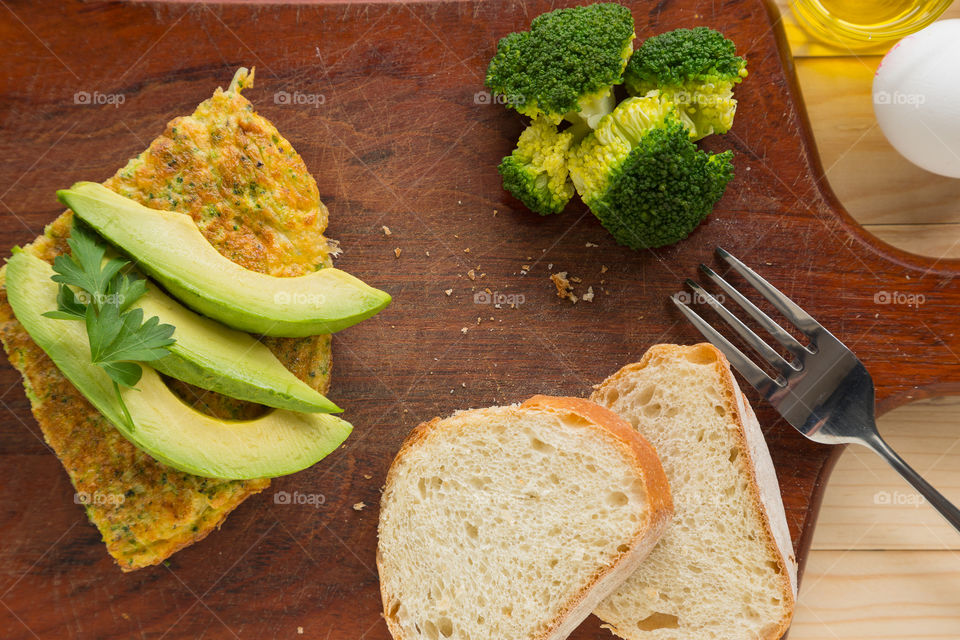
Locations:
{"points": [[936, 499]]}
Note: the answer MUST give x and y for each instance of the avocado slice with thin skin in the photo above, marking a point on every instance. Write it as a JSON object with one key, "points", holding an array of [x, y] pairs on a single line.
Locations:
{"points": [[278, 443], [169, 247], [211, 356]]}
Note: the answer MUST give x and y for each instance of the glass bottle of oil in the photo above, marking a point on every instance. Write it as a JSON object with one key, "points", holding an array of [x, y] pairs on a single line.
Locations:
{"points": [[864, 23]]}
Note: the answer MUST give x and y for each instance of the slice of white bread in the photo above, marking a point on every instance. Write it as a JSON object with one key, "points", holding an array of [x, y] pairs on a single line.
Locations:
{"points": [[512, 523], [725, 568]]}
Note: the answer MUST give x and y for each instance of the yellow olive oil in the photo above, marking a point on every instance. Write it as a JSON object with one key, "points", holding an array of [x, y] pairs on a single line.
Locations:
{"points": [[865, 23], [874, 13]]}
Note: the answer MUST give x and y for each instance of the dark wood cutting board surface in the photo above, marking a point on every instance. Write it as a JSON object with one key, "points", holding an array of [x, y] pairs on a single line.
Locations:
{"points": [[386, 104]]}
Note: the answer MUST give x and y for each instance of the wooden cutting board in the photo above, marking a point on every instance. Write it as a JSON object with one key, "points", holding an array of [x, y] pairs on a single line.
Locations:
{"points": [[386, 104]]}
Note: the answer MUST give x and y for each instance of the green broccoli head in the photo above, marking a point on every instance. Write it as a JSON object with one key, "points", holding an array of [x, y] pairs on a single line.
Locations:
{"points": [[536, 172], [566, 64], [697, 69], [643, 178], [615, 136]]}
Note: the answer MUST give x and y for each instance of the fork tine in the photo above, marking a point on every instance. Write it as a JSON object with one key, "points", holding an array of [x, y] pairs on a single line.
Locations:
{"points": [[754, 374], [790, 343], [756, 342], [800, 318]]}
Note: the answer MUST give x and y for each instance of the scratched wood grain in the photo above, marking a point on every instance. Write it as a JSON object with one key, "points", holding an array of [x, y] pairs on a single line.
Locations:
{"points": [[404, 136]]}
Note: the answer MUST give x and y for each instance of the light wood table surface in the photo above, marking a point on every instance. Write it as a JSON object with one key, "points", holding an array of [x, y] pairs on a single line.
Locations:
{"points": [[882, 565]]}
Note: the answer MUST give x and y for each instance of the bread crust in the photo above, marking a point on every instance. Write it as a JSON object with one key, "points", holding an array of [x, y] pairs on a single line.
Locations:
{"points": [[655, 479], [646, 463], [658, 498], [763, 485]]}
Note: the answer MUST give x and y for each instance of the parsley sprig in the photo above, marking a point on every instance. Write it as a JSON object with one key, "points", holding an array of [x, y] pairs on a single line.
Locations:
{"points": [[99, 292]]}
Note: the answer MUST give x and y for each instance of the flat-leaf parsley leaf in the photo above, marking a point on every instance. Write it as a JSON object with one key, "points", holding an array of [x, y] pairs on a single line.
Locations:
{"points": [[100, 293]]}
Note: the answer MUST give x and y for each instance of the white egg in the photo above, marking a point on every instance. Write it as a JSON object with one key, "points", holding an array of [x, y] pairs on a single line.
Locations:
{"points": [[916, 96]]}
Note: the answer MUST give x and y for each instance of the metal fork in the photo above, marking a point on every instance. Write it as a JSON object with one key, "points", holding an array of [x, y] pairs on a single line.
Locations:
{"points": [[823, 390]]}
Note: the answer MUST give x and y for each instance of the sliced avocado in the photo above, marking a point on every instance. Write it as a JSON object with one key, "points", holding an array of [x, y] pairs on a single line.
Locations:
{"points": [[169, 247], [275, 444], [207, 354]]}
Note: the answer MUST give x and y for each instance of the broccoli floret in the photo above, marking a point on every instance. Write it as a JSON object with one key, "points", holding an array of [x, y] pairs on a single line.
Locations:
{"points": [[696, 69], [566, 64], [536, 172], [612, 141], [643, 178]]}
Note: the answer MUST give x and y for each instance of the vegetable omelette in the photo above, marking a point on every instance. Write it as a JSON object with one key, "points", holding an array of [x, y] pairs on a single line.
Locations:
{"points": [[251, 196]]}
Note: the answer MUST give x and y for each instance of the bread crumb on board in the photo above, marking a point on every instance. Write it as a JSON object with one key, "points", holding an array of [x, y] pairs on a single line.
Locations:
{"points": [[386, 230], [397, 251], [564, 288], [360, 506]]}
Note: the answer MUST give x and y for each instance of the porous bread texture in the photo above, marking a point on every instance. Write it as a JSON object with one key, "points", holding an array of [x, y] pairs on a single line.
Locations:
{"points": [[514, 522], [725, 568]]}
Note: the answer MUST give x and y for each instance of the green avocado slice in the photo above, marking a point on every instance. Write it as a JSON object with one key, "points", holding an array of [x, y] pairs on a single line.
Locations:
{"points": [[169, 247], [276, 444], [211, 356]]}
